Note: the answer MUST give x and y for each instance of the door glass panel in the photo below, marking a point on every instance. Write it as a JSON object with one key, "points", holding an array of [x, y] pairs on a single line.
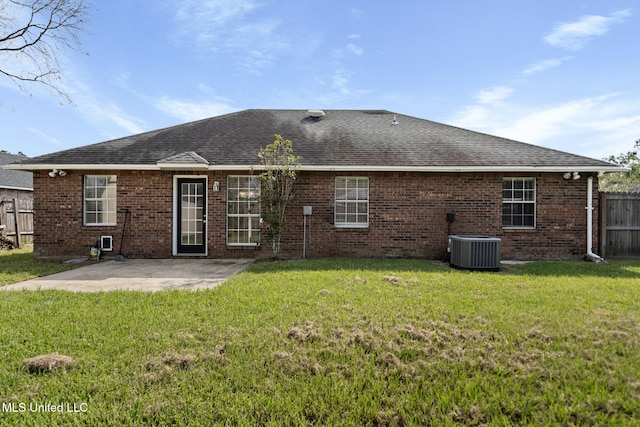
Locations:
{"points": [[192, 213]]}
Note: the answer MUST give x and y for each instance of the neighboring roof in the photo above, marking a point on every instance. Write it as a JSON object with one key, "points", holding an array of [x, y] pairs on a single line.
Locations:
{"points": [[15, 180], [339, 140]]}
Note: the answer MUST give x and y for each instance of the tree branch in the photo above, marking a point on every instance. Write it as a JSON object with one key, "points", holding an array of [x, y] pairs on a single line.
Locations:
{"points": [[31, 35]]}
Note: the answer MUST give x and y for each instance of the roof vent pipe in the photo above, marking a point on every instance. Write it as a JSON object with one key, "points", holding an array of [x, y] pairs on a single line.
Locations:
{"points": [[316, 114]]}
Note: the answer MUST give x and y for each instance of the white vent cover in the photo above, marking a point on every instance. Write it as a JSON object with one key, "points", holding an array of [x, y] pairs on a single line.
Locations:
{"points": [[106, 243], [316, 114]]}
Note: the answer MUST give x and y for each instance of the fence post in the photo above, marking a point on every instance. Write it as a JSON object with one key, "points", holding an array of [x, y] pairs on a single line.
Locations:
{"points": [[16, 221]]}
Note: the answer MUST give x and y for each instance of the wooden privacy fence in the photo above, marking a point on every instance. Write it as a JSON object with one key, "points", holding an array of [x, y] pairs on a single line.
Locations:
{"points": [[16, 220], [620, 225]]}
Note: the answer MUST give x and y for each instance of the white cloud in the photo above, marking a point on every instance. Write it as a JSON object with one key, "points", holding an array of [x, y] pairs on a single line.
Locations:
{"points": [[45, 137], [357, 14], [473, 117], [493, 96], [121, 78], [544, 65], [338, 88], [340, 82], [187, 110], [594, 126], [575, 35], [476, 116], [208, 16], [247, 34], [257, 45], [554, 121], [98, 109], [227, 27], [349, 49], [109, 118], [107, 114], [487, 102], [356, 50]]}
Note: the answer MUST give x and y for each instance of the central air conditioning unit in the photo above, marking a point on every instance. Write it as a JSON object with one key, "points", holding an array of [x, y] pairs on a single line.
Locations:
{"points": [[474, 253]]}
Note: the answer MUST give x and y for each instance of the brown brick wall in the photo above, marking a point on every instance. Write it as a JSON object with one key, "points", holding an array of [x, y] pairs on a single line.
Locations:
{"points": [[407, 216]]}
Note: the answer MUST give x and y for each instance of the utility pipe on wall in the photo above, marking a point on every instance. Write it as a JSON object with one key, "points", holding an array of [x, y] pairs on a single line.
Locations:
{"points": [[306, 211], [590, 254]]}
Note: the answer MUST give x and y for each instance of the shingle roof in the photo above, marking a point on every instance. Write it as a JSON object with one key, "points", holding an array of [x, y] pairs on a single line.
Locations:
{"points": [[14, 179], [341, 139], [187, 157]]}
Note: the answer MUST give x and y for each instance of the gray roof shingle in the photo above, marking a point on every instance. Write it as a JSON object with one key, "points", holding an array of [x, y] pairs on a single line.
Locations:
{"points": [[14, 179], [342, 138], [188, 157]]}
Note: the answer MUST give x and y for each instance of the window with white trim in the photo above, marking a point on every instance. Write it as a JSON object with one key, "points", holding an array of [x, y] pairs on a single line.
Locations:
{"points": [[100, 193], [519, 202], [352, 202], [243, 210]]}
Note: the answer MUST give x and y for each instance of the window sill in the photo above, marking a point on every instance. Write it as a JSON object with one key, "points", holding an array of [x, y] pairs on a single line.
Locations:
{"points": [[519, 229]]}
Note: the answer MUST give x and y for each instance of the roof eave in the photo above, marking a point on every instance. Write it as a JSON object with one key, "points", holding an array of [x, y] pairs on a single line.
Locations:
{"points": [[182, 166], [323, 168], [78, 166], [456, 169], [9, 187]]}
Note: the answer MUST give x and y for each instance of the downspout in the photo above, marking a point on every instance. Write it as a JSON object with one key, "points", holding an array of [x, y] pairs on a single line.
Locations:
{"points": [[593, 257]]}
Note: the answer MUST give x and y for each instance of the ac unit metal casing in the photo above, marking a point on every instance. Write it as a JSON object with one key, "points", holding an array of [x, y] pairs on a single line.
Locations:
{"points": [[474, 252]]}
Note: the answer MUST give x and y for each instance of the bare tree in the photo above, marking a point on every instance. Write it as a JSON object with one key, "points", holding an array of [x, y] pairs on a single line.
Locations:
{"points": [[32, 34]]}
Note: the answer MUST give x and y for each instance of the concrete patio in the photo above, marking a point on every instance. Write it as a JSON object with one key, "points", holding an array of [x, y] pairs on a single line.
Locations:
{"points": [[139, 275]]}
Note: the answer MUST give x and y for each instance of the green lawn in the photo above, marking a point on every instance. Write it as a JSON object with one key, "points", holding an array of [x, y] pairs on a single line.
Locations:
{"points": [[18, 265], [337, 342]]}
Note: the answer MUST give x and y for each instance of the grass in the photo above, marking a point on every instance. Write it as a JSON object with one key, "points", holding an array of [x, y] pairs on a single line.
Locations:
{"points": [[337, 342], [18, 265]]}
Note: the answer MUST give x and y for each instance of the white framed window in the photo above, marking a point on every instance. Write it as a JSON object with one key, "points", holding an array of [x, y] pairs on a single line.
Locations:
{"points": [[243, 210], [100, 193], [352, 202], [519, 202]]}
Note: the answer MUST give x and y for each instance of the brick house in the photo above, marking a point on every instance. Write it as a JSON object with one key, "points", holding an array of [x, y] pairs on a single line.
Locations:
{"points": [[380, 184]]}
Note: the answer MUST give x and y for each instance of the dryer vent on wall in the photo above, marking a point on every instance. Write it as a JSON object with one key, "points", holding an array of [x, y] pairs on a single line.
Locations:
{"points": [[474, 252]]}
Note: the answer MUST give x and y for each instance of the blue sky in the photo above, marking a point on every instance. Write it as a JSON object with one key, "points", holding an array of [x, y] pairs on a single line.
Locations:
{"points": [[560, 74]]}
